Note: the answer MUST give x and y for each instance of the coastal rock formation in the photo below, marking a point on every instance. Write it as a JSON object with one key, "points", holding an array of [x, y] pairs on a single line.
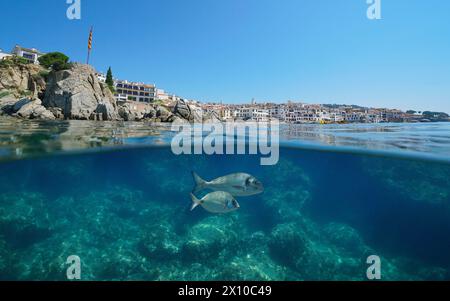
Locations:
{"points": [[185, 111], [163, 114], [25, 108], [7, 104], [32, 109], [79, 94], [211, 117], [22, 80], [33, 92], [192, 114], [136, 111]]}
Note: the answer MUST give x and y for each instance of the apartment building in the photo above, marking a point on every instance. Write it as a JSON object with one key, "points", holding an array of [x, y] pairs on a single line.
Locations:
{"points": [[30, 54], [135, 91], [251, 113]]}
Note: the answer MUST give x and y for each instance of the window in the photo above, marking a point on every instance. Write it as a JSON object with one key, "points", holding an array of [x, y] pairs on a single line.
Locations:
{"points": [[28, 56]]}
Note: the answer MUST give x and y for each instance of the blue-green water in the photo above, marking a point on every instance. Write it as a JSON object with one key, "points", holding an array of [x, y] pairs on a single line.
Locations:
{"points": [[125, 211]]}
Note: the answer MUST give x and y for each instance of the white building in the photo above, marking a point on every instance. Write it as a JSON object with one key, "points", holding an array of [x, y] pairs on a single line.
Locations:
{"points": [[226, 114], [121, 98], [135, 91], [251, 113], [101, 77], [3, 54], [161, 94], [30, 54], [352, 116]]}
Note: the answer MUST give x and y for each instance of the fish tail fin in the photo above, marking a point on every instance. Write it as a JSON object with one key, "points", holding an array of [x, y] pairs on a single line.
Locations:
{"points": [[200, 184], [195, 202]]}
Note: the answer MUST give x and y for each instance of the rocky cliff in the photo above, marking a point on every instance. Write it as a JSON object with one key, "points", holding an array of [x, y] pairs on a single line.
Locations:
{"points": [[79, 95], [30, 91], [21, 80]]}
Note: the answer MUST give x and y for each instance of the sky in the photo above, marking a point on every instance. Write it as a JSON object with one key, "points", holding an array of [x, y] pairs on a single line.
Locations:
{"points": [[316, 51]]}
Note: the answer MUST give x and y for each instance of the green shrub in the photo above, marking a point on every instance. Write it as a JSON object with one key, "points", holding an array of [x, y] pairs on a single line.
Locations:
{"points": [[21, 60], [13, 60], [5, 63], [26, 93], [44, 75], [55, 60], [4, 93], [58, 66]]}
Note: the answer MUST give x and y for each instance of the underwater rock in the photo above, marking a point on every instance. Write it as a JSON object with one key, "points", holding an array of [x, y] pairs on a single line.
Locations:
{"points": [[208, 238], [287, 244], [7, 270], [160, 243], [426, 182], [345, 237], [286, 202], [256, 266], [24, 220], [120, 263]]}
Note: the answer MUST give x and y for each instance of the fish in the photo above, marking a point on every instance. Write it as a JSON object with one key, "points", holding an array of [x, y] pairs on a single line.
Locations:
{"points": [[237, 184], [216, 202]]}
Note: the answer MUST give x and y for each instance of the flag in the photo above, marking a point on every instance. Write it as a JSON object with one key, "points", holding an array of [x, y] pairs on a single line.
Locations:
{"points": [[90, 40]]}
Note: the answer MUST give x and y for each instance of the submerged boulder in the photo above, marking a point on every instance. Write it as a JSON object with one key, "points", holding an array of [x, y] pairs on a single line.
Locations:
{"points": [[23, 219], [287, 244], [160, 243], [207, 239]]}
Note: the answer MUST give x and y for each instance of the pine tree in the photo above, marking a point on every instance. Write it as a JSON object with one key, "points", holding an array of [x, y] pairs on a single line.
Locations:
{"points": [[109, 80]]}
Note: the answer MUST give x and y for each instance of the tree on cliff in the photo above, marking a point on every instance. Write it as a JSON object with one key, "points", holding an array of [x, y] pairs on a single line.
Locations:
{"points": [[55, 60], [109, 80]]}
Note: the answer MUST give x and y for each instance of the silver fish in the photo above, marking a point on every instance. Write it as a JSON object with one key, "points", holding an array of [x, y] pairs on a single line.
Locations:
{"points": [[216, 202], [237, 184]]}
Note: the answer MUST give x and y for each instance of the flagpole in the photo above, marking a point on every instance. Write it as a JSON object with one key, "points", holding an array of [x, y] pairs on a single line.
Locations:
{"points": [[89, 46]]}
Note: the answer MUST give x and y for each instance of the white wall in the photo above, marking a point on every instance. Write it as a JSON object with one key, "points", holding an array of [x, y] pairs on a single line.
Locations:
{"points": [[2, 55]]}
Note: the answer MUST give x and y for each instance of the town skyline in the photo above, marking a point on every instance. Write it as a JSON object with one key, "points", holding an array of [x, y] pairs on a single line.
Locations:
{"points": [[126, 91], [338, 56]]}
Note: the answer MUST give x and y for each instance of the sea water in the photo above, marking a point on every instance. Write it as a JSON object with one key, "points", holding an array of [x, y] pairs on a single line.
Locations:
{"points": [[338, 195]]}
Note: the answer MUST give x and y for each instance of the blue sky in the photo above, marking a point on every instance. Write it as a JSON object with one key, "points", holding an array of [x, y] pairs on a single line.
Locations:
{"points": [[318, 51]]}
